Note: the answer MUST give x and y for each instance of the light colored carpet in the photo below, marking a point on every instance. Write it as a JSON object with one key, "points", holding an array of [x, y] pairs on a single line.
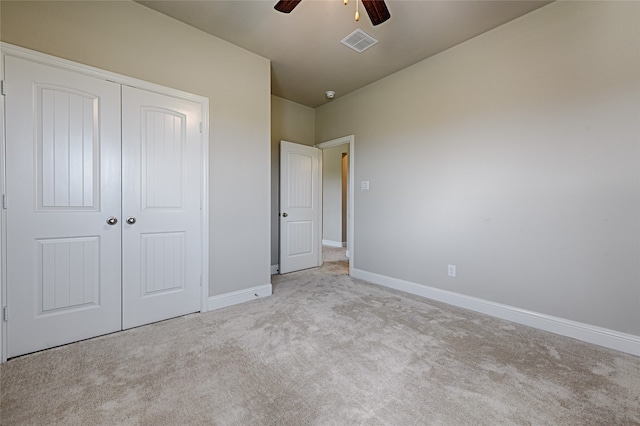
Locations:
{"points": [[325, 350]]}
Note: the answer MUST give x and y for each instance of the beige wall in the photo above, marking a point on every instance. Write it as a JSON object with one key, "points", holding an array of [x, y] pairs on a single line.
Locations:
{"points": [[130, 39], [290, 122], [514, 156]]}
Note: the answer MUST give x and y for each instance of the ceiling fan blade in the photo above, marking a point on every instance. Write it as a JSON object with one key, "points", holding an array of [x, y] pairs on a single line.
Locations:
{"points": [[377, 11], [286, 6]]}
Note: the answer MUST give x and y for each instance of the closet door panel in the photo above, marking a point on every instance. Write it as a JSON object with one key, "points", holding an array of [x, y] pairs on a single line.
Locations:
{"points": [[63, 183], [162, 179]]}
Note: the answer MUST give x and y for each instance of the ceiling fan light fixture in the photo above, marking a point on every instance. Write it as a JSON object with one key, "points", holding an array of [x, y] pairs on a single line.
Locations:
{"points": [[376, 9]]}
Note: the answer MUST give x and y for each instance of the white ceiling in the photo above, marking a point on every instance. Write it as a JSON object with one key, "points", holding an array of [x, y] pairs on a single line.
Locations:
{"points": [[307, 58]]}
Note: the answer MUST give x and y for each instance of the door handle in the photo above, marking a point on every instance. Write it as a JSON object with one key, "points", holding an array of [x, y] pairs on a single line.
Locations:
{"points": [[284, 215], [131, 220], [112, 221]]}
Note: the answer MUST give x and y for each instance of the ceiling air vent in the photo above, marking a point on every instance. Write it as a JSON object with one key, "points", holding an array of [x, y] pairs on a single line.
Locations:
{"points": [[359, 41]]}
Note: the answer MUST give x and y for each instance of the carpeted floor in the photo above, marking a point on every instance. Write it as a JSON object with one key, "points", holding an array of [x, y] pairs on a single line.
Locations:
{"points": [[325, 350]]}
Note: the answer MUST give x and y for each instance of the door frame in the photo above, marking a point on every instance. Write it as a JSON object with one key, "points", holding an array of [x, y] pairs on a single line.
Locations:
{"points": [[45, 59], [349, 139]]}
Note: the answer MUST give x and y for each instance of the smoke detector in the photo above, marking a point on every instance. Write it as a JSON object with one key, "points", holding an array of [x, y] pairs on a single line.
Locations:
{"points": [[330, 94]]}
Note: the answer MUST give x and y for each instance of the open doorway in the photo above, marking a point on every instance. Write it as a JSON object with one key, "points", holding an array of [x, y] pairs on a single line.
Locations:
{"points": [[337, 201]]}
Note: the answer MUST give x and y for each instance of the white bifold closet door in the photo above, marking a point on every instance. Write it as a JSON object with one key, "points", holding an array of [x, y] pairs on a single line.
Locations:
{"points": [[103, 202], [161, 176]]}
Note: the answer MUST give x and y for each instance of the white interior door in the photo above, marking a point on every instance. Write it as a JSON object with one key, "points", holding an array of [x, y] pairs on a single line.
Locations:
{"points": [[161, 169], [63, 183], [300, 207]]}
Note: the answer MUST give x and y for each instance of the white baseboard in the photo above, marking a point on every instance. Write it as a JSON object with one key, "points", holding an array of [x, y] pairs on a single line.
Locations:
{"points": [[587, 333], [235, 297], [275, 269], [330, 243]]}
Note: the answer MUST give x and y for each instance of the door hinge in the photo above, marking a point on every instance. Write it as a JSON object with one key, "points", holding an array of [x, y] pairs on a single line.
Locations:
{"points": [[5, 313], [2, 87], [201, 127], [4, 201]]}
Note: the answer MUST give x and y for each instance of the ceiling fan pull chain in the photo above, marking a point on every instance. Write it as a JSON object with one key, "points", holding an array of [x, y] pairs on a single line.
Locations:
{"points": [[357, 12]]}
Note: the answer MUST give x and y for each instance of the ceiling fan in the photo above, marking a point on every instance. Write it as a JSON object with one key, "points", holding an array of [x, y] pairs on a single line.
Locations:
{"points": [[376, 9]]}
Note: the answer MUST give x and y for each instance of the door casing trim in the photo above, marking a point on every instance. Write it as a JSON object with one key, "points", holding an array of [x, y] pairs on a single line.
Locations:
{"points": [[349, 139]]}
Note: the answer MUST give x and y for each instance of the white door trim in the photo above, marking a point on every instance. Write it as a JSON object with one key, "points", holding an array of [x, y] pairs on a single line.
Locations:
{"points": [[42, 58], [3, 219], [350, 139]]}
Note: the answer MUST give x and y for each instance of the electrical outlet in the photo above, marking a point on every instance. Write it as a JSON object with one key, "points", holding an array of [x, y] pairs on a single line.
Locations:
{"points": [[451, 270]]}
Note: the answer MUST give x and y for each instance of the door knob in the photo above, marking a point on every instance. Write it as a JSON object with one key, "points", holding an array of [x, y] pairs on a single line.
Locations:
{"points": [[112, 220], [131, 220], [284, 215]]}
